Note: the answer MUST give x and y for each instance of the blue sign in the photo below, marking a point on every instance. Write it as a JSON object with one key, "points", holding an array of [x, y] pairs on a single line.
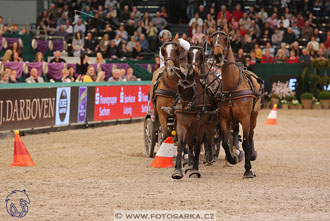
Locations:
{"points": [[17, 203]]}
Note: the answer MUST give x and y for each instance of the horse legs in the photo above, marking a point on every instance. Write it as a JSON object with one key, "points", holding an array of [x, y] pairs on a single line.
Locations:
{"points": [[177, 174], [197, 149], [253, 123], [231, 158], [247, 148], [235, 147], [163, 124]]}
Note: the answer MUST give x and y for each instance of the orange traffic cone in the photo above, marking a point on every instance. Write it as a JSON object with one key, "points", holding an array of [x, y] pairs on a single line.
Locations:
{"points": [[272, 117], [165, 154], [21, 155]]}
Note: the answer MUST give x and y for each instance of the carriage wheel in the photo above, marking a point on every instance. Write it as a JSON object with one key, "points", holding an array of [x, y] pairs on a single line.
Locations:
{"points": [[149, 137]]}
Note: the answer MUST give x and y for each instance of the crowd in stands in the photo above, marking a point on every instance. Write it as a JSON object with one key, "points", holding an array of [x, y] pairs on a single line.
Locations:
{"points": [[269, 31], [287, 31]]}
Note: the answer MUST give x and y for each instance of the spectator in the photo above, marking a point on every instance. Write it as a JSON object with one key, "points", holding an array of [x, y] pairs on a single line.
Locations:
{"points": [[115, 76], [99, 58], [159, 22], [146, 20], [296, 49], [130, 76], [224, 13], [137, 50], [248, 64], [16, 48], [144, 42], [82, 65], [68, 27], [245, 21], [240, 56], [90, 74], [253, 58], [23, 31], [234, 23], [263, 15], [285, 50], [304, 59], [326, 52], [255, 28], [140, 29], [108, 30], [125, 15], [65, 76], [152, 36], [320, 55], [293, 59], [295, 29], [130, 28], [198, 36], [314, 43], [157, 63], [311, 51], [285, 21], [192, 29], [138, 14], [4, 77], [122, 33], [273, 20], [61, 21], [237, 14], [112, 51], [87, 15], [267, 58], [249, 39], [96, 24], [61, 32], [318, 36], [104, 44], [287, 13], [7, 56], [131, 44], [118, 40], [1, 22], [110, 3], [90, 45], [79, 27], [34, 77], [280, 58], [77, 44], [15, 57], [307, 31], [277, 37], [300, 21], [289, 37], [197, 20], [39, 57], [202, 12], [210, 21], [327, 42], [12, 77], [258, 51], [57, 58], [123, 52]]}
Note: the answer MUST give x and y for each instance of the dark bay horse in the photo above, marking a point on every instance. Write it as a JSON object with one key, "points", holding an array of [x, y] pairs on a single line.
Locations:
{"points": [[164, 84], [195, 116], [238, 99]]}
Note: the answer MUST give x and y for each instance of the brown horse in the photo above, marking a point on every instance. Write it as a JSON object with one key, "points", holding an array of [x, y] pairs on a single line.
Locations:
{"points": [[164, 85], [195, 116], [238, 99]]}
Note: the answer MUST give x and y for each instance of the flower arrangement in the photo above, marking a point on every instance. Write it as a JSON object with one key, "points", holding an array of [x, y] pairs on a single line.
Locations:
{"points": [[281, 90], [284, 101], [295, 102]]}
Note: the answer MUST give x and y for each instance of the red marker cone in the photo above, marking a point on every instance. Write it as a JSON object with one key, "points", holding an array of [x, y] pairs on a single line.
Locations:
{"points": [[165, 154], [272, 117], [21, 155]]}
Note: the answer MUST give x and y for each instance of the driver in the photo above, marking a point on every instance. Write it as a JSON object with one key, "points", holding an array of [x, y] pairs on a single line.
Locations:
{"points": [[165, 36]]}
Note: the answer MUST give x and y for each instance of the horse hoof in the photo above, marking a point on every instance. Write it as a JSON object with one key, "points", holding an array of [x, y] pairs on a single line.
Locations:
{"points": [[249, 174], [177, 175], [189, 168], [254, 156], [208, 163], [195, 174], [240, 156], [232, 160]]}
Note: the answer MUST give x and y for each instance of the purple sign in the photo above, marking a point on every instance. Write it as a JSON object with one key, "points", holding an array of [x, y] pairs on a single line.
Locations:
{"points": [[82, 104]]}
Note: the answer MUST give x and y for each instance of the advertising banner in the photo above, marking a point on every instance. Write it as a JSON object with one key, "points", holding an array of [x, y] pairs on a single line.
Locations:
{"points": [[63, 106], [27, 108], [120, 102], [82, 105]]}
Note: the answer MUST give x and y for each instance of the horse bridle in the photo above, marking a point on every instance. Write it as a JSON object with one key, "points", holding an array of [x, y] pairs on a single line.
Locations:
{"points": [[173, 69], [201, 49], [226, 49]]}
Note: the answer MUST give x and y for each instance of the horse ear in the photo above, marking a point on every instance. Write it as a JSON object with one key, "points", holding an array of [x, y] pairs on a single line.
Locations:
{"points": [[176, 38], [225, 29]]}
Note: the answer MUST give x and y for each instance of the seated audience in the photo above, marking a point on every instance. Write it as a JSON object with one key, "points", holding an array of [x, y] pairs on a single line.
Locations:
{"points": [[267, 58], [130, 76], [115, 76], [293, 59], [34, 77], [82, 65], [77, 44], [57, 58]]}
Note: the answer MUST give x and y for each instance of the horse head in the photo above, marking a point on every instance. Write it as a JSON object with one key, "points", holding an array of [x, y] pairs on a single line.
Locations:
{"points": [[196, 56], [173, 55], [220, 42]]}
